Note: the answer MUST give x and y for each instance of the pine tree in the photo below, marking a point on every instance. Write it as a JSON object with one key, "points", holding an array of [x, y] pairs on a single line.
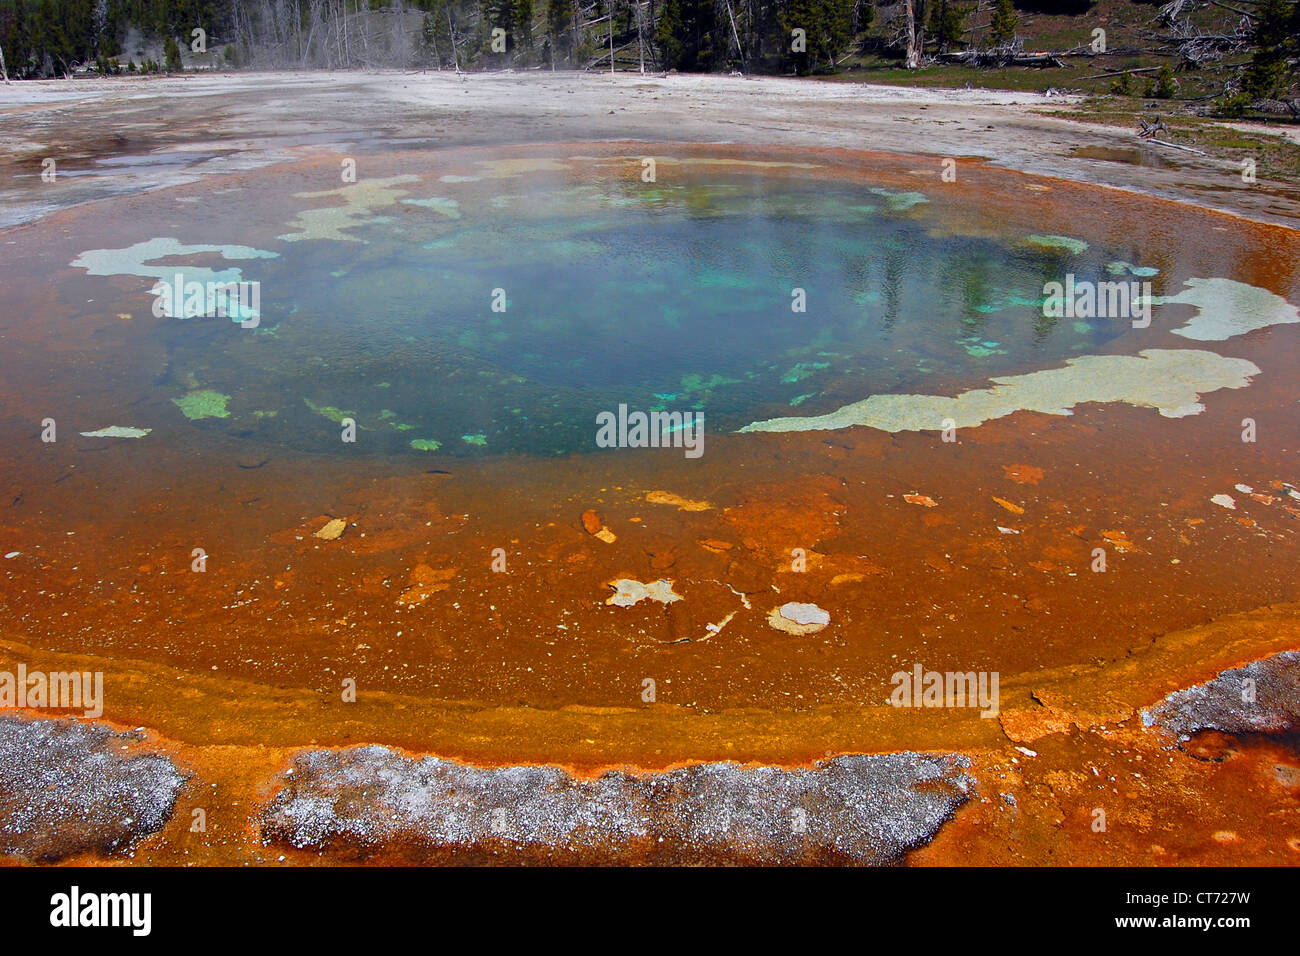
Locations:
{"points": [[523, 14], [828, 27], [50, 45], [1163, 87], [172, 55], [668, 34], [946, 20], [1277, 40], [17, 46], [1002, 29], [559, 21]]}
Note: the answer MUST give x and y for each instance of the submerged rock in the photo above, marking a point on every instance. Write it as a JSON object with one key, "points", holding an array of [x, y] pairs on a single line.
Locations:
{"points": [[805, 613], [800, 619], [118, 431], [426, 581], [850, 809], [628, 592], [71, 787], [592, 524], [332, 529], [682, 504]]}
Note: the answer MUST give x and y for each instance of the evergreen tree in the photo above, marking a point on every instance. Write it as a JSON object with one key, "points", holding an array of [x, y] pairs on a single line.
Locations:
{"points": [[16, 42], [828, 28], [1002, 29], [50, 46], [1163, 87], [172, 55], [668, 34], [559, 23], [1277, 40], [946, 21], [523, 16]]}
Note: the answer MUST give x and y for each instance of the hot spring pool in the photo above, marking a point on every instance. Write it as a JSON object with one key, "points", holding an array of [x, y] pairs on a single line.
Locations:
{"points": [[501, 307]]}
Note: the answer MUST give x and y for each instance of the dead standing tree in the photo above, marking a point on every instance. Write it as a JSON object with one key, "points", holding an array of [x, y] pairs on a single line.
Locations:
{"points": [[905, 30], [914, 25]]}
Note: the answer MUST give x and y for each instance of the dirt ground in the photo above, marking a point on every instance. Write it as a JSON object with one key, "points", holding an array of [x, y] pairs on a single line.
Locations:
{"points": [[247, 120]]}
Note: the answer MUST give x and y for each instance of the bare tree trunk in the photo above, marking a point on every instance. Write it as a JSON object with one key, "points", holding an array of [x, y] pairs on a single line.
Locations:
{"points": [[736, 34], [640, 49], [915, 13], [5, 70], [313, 16], [451, 30], [346, 20]]}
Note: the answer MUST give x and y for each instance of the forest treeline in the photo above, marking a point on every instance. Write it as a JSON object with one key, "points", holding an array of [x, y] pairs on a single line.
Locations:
{"points": [[48, 38]]}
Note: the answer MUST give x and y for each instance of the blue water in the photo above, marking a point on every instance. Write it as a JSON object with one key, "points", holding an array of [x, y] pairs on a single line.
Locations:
{"points": [[664, 298]]}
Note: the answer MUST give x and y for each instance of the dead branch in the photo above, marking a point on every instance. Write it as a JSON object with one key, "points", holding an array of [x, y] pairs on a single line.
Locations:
{"points": [[1140, 69]]}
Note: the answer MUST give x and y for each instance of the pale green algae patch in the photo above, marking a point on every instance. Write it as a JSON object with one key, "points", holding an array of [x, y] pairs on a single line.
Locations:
{"points": [[446, 207], [694, 382], [135, 260], [696, 161], [425, 444], [1058, 243], [900, 201], [1168, 380], [203, 403], [474, 439], [330, 412], [1226, 308], [1119, 268], [118, 431], [357, 202]]}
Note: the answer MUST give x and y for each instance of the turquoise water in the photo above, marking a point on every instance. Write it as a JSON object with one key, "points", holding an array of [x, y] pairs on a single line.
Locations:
{"points": [[673, 298]]}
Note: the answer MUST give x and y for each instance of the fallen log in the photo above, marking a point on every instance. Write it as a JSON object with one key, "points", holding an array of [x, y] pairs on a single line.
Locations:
{"points": [[1188, 149], [1140, 69], [1002, 58]]}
